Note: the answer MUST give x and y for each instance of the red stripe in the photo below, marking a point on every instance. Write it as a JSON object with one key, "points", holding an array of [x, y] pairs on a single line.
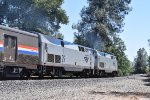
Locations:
{"points": [[24, 46], [27, 47], [1, 42]]}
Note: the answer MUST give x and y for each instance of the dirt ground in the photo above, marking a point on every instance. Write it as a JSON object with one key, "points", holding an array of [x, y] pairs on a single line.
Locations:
{"points": [[134, 87]]}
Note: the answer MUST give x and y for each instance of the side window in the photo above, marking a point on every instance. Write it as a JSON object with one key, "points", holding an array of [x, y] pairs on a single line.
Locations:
{"points": [[6, 41], [62, 43], [13, 42], [79, 48], [104, 54], [82, 49], [101, 64], [10, 41]]}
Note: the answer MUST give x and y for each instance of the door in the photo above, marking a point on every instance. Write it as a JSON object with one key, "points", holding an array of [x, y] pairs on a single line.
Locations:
{"points": [[10, 48]]}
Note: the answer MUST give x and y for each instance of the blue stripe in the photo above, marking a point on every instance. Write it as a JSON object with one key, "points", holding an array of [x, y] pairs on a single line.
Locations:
{"points": [[1, 48], [23, 52]]}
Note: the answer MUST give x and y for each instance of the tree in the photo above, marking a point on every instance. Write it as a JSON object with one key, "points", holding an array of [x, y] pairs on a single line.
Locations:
{"points": [[59, 36], [149, 62], [101, 21], [33, 15], [149, 56], [141, 61], [78, 39], [100, 24]]}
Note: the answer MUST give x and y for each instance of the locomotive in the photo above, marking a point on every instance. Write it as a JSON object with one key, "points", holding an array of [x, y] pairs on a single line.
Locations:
{"points": [[23, 54]]}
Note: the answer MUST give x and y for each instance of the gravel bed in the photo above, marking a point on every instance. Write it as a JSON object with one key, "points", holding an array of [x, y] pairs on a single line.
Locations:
{"points": [[75, 89]]}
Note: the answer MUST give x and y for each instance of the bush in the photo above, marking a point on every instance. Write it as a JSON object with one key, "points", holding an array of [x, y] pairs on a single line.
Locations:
{"points": [[145, 69], [120, 73]]}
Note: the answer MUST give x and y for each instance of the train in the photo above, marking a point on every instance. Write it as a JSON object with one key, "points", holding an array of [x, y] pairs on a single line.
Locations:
{"points": [[25, 54]]}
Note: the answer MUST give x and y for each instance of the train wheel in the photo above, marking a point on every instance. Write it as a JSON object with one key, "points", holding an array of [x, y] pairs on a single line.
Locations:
{"points": [[84, 74], [41, 75], [24, 74], [21, 75], [102, 73], [91, 73], [60, 72], [114, 74]]}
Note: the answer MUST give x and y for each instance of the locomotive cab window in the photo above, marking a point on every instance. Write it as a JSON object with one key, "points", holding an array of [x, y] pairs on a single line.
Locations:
{"points": [[104, 54], [79, 48], [82, 49], [62, 43]]}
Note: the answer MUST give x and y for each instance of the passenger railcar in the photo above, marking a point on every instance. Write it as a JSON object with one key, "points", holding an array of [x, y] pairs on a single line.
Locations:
{"points": [[23, 54], [18, 51]]}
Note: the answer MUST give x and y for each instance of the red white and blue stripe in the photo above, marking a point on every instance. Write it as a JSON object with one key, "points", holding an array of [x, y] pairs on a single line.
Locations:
{"points": [[27, 50], [1, 46], [23, 49]]}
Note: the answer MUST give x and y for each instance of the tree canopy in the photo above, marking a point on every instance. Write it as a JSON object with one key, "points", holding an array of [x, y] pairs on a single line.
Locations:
{"points": [[59, 36], [141, 61], [33, 15], [101, 21]]}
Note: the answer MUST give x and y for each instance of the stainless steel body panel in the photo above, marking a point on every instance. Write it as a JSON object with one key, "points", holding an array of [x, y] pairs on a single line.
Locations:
{"points": [[71, 59]]}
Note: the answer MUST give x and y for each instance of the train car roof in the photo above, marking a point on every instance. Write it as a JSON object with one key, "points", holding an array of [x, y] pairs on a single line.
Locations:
{"points": [[18, 31], [55, 41], [70, 45]]}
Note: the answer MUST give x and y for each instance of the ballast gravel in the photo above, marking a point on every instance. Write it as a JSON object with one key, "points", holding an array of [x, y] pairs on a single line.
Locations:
{"points": [[135, 86]]}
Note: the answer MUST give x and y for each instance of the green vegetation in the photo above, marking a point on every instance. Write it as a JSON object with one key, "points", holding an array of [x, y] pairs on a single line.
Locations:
{"points": [[43, 16], [142, 61], [59, 36], [100, 24]]}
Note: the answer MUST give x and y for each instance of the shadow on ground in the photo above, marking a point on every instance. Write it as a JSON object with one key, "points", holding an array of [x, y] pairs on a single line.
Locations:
{"points": [[147, 80], [123, 94]]}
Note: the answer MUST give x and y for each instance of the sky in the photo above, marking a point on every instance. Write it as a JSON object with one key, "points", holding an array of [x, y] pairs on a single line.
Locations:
{"points": [[136, 30]]}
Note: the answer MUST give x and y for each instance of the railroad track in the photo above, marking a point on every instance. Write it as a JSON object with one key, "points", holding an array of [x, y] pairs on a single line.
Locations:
{"points": [[49, 77]]}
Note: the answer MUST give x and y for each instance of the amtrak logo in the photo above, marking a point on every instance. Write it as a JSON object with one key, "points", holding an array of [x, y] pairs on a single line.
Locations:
{"points": [[86, 58]]}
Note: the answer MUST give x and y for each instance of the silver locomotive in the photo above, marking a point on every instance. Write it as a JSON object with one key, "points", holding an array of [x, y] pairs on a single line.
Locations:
{"points": [[23, 54]]}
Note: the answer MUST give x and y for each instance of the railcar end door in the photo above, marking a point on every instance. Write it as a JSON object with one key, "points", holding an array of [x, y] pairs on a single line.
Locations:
{"points": [[10, 48]]}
